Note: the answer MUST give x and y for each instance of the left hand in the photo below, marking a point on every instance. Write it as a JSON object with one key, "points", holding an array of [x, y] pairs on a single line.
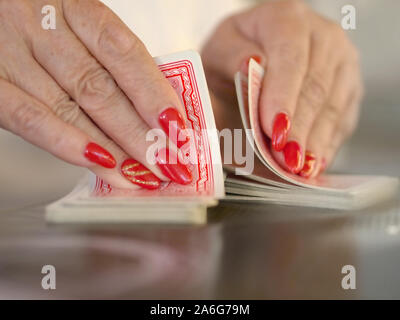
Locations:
{"points": [[311, 93]]}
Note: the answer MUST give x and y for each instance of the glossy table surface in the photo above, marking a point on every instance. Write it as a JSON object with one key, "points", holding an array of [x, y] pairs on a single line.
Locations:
{"points": [[245, 251]]}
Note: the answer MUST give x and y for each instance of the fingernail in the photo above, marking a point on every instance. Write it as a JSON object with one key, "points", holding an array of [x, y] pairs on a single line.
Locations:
{"points": [[309, 165], [172, 122], [292, 153], [99, 155], [280, 131], [138, 174], [245, 64], [171, 167], [256, 58]]}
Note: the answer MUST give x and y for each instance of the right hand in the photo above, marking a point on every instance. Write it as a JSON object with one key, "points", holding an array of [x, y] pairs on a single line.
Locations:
{"points": [[310, 97], [87, 86]]}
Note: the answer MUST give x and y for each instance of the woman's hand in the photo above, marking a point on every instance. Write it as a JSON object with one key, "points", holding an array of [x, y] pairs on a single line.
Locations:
{"points": [[84, 88], [310, 97]]}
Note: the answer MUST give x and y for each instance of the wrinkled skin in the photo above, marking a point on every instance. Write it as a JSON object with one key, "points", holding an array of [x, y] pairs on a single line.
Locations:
{"points": [[313, 74]]}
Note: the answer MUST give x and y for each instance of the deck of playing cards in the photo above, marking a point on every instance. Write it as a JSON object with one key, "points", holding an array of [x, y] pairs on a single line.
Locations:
{"points": [[95, 201], [269, 183]]}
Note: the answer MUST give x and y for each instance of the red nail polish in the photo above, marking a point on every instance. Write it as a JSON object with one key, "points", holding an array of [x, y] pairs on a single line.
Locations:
{"points": [[292, 153], [99, 155], [172, 122], [256, 58], [309, 165], [138, 174], [245, 64], [280, 131], [170, 166]]}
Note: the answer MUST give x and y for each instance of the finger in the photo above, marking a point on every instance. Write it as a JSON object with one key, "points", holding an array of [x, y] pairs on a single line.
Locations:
{"points": [[346, 127], [310, 161], [331, 122], [314, 94], [27, 117], [93, 88], [29, 76], [287, 63], [130, 64]]}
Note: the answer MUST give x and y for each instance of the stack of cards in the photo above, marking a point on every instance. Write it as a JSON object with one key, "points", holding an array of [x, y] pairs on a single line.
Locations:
{"points": [[93, 200], [269, 183]]}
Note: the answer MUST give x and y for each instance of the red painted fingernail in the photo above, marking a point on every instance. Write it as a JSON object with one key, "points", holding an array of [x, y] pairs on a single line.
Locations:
{"points": [[256, 58], [172, 122], [170, 166], [292, 153], [138, 174], [280, 131], [99, 155], [245, 64], [309, 165]]}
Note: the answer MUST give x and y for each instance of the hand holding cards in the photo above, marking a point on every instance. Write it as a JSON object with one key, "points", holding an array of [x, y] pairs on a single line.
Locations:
{"points": [[272, 184], [97, 201]]}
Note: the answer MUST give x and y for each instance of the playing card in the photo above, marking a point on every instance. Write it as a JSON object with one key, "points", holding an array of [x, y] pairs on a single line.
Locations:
{"points": [[185, 73], [250, 117], [270, 183], [374, 189], [94, 200]]}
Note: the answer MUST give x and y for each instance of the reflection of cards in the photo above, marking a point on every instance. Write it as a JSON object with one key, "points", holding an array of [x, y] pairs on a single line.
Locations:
{"points": [[269, 182]]}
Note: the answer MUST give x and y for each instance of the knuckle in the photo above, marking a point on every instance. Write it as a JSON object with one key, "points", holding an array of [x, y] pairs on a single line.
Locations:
{"points": [[331, 148], [301, 125], [58, 142], [332, 113], [136, 132], [153, 87], [314, 90], [116, 41], [292, 57], [349, 130], [336, 29], [341, 37], [109, 145], [138, 139], [27, 119], [66, 109], [95, 87]]}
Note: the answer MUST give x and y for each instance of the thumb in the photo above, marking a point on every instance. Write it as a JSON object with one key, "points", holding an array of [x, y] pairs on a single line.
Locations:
{"points": [[223, 61]]}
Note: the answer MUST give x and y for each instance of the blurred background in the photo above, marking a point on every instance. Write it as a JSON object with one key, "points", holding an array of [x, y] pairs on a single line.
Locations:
{"points": [[31, 176]]}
